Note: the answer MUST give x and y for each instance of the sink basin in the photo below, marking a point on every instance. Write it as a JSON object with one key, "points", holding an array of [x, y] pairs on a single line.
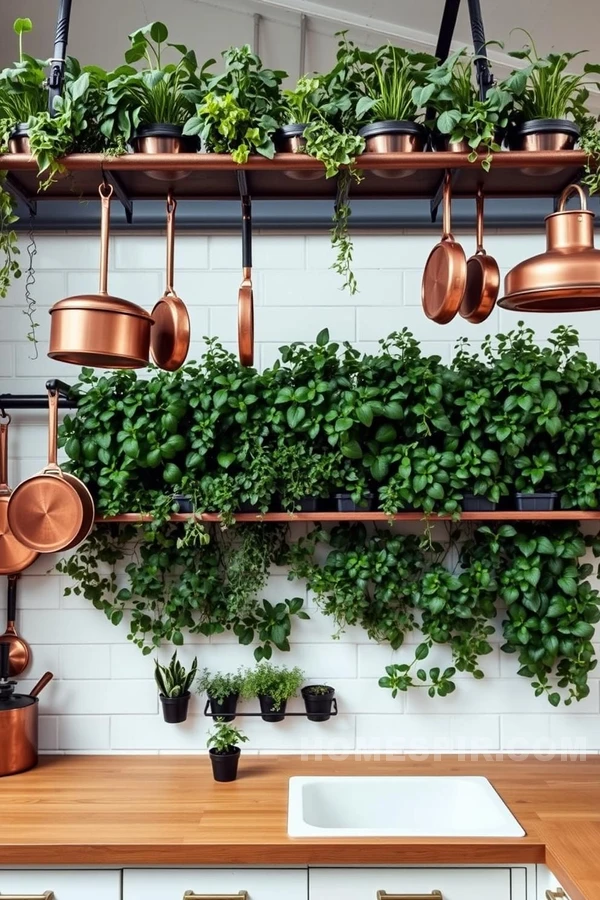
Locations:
{"points": [[398, 806]]}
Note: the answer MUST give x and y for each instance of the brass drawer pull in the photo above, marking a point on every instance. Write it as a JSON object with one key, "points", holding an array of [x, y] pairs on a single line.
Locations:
{"points": [[47, 895], [434, 895], [190, 895], [558, 894]]}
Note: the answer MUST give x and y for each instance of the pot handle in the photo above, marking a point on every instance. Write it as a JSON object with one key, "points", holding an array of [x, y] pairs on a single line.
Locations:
{"points": [[4, 423], [447, 209], [44, 680], [568, 191], [106, 192], [480, 249]]}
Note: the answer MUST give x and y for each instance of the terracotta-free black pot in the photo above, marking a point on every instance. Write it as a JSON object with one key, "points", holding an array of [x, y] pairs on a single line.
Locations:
{"points": [[536, 502], [475, 503], [226, 709], [267, 705], [318, 706], [345, 503], [18, 141], [225, 765], [308, 504], [175, 709], [184, 503]]}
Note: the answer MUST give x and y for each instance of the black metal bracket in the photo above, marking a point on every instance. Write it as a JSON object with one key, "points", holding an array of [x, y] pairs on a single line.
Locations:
{"points": [[126, 202], [14, 187], [40, 401], [255, 715], [57, 69], [434, 203], [243, 188], [485, 79]]}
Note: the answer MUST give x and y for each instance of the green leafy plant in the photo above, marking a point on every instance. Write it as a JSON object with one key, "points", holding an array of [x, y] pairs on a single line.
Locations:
{"points": [[386, 78], [241, 109], [220, 685], [23, 88], [318, 690], [450, 91], [589, 141], [275, 682], [544, 89], [9, 242], [225, 738], [173, 680], [399, 678]]}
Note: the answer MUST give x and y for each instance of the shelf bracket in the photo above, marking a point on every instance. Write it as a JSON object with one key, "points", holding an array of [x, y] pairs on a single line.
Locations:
{"points": [[127, 203], [242, 180], [14, 187]]}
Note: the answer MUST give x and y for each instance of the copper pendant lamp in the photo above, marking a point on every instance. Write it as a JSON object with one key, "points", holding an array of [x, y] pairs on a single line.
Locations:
{"points": [[566, 277]]}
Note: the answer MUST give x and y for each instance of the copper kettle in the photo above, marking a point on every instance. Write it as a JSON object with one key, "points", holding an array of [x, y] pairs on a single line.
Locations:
{"points": [[18, 721], [566, 277]]}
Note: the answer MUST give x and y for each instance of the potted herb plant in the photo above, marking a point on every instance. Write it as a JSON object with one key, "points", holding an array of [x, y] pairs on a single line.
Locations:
{"points": [[534, 481], [318, 699], [224, 750], [550, 102], [273, 685], [151, 106], [174, 688], [464, 122], [223, 691], [23, 95]]}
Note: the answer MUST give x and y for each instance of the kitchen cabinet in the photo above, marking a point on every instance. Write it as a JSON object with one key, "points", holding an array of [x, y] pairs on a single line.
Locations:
{"points": [[56, 884], [462, 883], [173, 884], [547, 882]]}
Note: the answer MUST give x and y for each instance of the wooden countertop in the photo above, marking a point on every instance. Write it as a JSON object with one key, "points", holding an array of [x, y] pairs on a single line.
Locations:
{"points": [[167, 810]]}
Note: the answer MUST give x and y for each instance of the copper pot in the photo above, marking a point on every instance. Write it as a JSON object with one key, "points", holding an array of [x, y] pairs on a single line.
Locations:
{"points": [[18, 722], [566, 277], [18, 141], [290, 139], [543, 135], [393, 137], [97, 329], [158, 138]]}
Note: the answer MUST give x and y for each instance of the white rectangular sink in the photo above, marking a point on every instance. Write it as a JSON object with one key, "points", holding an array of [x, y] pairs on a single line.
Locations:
{"points": [[398, 806]]}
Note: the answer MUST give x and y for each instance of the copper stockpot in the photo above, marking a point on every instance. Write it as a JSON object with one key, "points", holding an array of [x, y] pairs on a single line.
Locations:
{"points": [[18, 722], [566, 277], [97, 329]]}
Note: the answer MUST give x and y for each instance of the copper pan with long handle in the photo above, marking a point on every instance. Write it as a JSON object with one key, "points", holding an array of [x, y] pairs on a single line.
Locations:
{"points": [[246, 293], [445, 276], [483, 277], [53, 510], [19, 653], [170, 340], [14, 556]]}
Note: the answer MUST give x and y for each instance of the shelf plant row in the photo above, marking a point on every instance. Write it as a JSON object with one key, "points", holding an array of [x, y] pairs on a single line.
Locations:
{"points": [[373, 100]]}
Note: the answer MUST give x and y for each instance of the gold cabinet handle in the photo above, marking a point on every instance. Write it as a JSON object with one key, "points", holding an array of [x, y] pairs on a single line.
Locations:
{"points": [[434, 895], [558, 894], [190, 895], [47, 895]]}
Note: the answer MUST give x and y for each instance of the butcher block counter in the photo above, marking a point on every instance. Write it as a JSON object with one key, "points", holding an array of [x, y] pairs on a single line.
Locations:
{"points": [[167, 810]]}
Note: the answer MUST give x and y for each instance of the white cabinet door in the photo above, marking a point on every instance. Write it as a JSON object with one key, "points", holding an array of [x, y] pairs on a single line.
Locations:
{"points": [[83, 884], [172, 884], [454, 884], [547, 882]]}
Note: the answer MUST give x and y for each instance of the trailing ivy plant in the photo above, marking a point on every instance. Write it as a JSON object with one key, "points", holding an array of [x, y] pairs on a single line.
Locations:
{"points": [[10, 266]]}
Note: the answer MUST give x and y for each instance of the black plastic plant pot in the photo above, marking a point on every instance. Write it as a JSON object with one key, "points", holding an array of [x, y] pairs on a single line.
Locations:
{"points": [[175, 709], [318, 706], [225, 765], [308, 504], [225, 709], [544, 134], [474, 503], [267, 705], [248, 507], [184, 504], [345, 503], [18, 141], [536, 502]]}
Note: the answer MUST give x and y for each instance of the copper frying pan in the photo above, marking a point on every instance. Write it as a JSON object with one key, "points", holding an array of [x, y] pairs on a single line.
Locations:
{"points": [[52, 510], [483, 277], [14, 556], [245, 294], [170, 336], [19, 653], [445, 275]]}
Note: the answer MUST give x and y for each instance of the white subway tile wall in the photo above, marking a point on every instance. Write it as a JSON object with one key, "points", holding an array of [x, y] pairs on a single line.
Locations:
{"points": [[103, 697]]}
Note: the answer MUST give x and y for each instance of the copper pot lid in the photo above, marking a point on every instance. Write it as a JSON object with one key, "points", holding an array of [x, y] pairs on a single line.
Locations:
{"points": [[566, 277], [170, 337], [101, 303]]}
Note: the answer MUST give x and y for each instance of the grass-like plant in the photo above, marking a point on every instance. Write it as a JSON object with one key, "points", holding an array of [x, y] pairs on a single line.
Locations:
{"points": [[388, 77], [225, 738], [276, 682], [173, 680]]}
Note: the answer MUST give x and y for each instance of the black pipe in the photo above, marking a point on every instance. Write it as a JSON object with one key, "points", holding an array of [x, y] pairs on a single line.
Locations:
{"points": [[485, 79], [57, 69], [447, 26], [40, 401]]}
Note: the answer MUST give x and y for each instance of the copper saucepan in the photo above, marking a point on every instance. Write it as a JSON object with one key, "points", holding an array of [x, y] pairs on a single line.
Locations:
{"points": [[170, 340], [14, 556], [18, 721], [483, 277], [246, 294], [97, 329], [53, 510], [445, 275], [19, 653]]}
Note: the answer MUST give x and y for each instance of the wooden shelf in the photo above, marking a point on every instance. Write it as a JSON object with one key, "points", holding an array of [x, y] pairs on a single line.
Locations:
{"points": [[499, 516], [214, 176]]}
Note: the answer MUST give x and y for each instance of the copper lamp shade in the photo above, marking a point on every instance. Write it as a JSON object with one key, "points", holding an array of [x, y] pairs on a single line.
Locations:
{"points": [[566, 277]]}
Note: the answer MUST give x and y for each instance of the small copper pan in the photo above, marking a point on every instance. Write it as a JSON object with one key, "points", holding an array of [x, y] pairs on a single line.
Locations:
{"points": [[14, 556], [170, 337], [51, 511], [19, 653], [246, 294], [483, 277], [445, 275]]}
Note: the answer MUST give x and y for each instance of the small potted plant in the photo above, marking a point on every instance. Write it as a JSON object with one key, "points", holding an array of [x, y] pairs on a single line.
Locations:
{"points": [[223, 692], [318, 699], [224, 751], [273, 685], [549, 101], [174, 685], [23, 95], [533, 482]]}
